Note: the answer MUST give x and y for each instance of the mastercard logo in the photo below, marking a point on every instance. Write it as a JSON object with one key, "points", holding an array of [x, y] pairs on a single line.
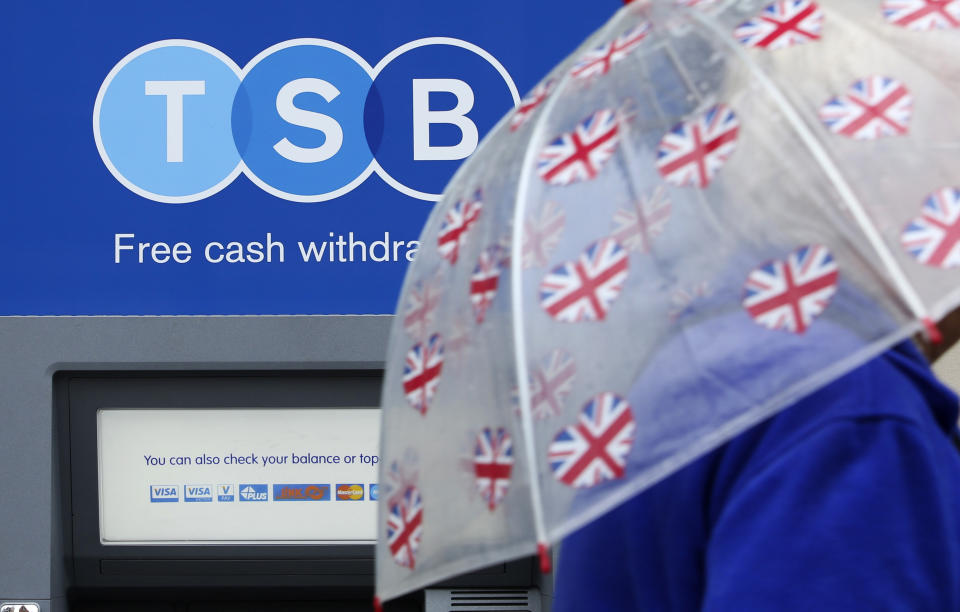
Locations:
{"points": [[350, 491]]}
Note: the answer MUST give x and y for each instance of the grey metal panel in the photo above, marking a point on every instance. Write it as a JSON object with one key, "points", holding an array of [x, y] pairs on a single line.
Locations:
{"points": [[38, 347]]}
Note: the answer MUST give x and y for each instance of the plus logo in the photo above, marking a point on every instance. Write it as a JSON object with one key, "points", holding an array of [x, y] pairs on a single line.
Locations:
{"points": [[306, 120]]}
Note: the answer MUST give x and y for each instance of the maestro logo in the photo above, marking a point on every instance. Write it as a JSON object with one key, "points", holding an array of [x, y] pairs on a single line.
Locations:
{"points": [[306, 120]]}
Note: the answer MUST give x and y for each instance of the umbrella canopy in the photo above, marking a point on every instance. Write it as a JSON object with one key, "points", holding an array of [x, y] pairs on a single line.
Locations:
{"points": [[706, 212]]}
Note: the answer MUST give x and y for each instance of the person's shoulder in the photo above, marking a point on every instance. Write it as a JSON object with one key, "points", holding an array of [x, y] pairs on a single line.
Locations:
{"points": [[895, 389], [898, 385]]}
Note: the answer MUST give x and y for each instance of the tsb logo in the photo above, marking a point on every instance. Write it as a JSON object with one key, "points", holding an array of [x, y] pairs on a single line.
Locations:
{"points": [[306, 120]]}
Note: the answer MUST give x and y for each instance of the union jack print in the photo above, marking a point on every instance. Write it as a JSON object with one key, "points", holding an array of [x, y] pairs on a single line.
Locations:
{"points": [[421, 307], [584, 290], [421, 373], [636, 226], [682, 300], [551, 383], [405, 527], [595, 449], [933, 238], [541, 234], [782, 24], [695, 150], [789, 294], [600, 59], [873, 107], [579, 155], [484, 281], [923, 15], [455, 225], [402, 475], [459, 339], [531, 103], [492, 465]]}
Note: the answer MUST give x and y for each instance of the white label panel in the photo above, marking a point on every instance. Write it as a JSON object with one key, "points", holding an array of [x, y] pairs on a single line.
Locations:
{"points": [[238, 476]]}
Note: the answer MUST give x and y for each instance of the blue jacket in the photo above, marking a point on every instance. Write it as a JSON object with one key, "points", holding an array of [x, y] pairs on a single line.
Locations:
{"points": [[847, 500]]}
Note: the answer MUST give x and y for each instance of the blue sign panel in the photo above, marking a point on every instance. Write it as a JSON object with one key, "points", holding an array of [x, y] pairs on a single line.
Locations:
{"points": [[247, 158]]}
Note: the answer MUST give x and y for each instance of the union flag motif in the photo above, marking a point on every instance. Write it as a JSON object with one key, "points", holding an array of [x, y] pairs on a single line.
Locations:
{"points": [[585, 289], [421, 307], [595, 449], [421, 373], [922, 15], [873, 107], [551, 383], [459, 338], [401, 475], [933, 238], [531, 103], [789, 294], [599, 60], [579, 155], [682, 300], [636, 226], [784, 23], [405, 527], [541, 234], [492, 465], [484, 281], [695, 150], [455, 225]]}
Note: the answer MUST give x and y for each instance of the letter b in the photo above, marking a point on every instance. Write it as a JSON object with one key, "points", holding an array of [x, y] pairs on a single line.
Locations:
{"points": [[423, 117]]}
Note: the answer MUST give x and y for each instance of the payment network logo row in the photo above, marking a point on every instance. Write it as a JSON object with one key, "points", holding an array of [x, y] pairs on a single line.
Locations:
{"points": [[306, 120], [260, 492]]}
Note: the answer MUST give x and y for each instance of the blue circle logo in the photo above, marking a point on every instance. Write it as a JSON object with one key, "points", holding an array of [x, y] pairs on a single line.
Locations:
{"points": [[306, 120], [162, 121]]}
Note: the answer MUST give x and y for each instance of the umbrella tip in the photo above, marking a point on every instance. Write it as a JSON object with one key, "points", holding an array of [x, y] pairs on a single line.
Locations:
{"points": [[377, 606], [543, 551], [933, 332]]}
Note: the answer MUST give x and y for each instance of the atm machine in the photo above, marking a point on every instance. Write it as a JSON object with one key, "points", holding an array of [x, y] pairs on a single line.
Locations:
{"points": [[160, 497], [208, 209]]}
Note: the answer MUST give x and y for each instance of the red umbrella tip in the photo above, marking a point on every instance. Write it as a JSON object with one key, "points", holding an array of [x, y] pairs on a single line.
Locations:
{"points": [[377, 606], [933, 332], [543, 551]]}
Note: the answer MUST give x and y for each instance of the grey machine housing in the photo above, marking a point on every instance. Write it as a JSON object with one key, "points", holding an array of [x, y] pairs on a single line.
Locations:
{"points": [[48, 540]]}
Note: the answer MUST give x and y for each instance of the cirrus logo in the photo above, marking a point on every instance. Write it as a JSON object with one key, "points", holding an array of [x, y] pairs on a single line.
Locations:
{"points": [[306, 120]]}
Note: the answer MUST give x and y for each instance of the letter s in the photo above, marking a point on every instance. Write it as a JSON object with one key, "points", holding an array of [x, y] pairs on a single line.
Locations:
{"points": [[297, 116]]}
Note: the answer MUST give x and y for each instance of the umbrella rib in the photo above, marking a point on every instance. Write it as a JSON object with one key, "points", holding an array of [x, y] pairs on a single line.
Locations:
{"points": [[829, 167], [516, 301]]}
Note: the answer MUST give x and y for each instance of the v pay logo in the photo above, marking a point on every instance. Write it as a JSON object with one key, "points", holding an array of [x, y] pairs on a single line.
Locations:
{"points": [[306, 120]]}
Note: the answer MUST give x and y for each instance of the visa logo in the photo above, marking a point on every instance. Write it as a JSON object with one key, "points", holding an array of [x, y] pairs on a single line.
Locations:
{"points": [[163, 493], [197, 493], [225, 493], [253, 492], [301, 492]]}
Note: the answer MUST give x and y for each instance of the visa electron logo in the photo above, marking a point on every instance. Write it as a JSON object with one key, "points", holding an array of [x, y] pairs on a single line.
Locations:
{"points": [[306, 120], [253, 492], [163, 493], [350, 491], [197, 493]]}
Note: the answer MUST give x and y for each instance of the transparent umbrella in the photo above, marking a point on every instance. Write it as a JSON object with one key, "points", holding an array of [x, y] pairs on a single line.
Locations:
{"points": [[788, 173]]}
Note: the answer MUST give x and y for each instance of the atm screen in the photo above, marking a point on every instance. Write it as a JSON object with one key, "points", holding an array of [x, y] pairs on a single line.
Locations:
{"points": [[237, 475]]}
